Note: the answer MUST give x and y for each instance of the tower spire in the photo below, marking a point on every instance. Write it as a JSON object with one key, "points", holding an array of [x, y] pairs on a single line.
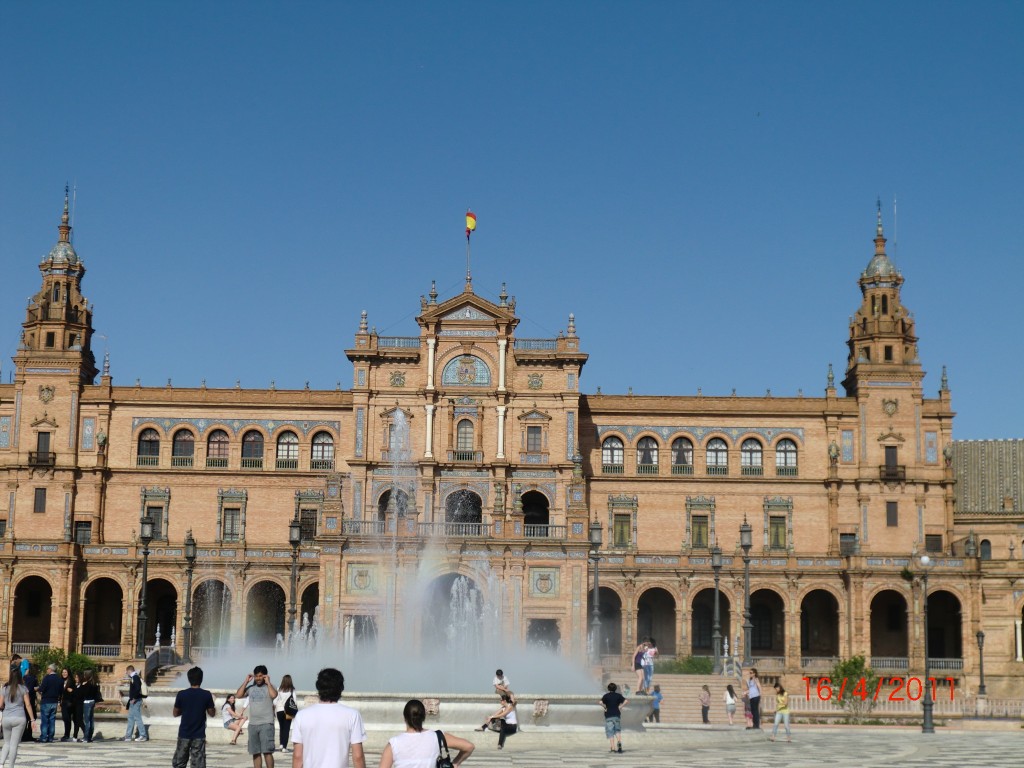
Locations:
{"points": [[65, 226]]}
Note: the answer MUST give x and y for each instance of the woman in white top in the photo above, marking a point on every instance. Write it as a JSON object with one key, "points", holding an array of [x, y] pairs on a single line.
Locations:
{"points": [[730, 701], [233, 720], [417, 748], [285, 691], [505, 717], [17, 710]]}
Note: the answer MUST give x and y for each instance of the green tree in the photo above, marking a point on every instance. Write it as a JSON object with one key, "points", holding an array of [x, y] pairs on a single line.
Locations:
{"points": [[851, 686], [75, 662]]}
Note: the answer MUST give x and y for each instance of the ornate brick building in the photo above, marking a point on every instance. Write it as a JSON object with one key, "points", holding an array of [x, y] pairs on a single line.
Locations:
{"points": [[466, 450]]}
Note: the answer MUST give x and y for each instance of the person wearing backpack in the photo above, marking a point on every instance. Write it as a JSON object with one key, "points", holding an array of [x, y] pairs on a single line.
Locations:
{"points": [[137, 692], [286, 706]]}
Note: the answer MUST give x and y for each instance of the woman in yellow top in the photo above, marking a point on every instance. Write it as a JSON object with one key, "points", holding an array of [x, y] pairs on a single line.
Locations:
{"points": [[781, 711]]}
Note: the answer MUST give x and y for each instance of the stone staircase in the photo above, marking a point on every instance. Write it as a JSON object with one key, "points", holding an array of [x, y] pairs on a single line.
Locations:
{"points": [[681, 704]]}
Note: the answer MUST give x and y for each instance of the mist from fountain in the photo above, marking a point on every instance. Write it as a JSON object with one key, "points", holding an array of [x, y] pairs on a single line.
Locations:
{"points": [[437, 631]]}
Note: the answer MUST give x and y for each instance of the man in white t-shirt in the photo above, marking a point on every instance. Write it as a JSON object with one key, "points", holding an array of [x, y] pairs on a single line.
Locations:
{"points": [[501, 683], [324, 733]]}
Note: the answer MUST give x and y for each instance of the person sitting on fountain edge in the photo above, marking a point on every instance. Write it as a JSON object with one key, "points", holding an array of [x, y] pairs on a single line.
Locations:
{"points": [[501, 683]]}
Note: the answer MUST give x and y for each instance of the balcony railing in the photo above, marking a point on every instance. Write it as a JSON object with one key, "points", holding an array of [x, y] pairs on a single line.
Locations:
{"points": [[102, 651], [890, 662], [182, 461], [647, 469], [946, 664], [713, 470], [818, 663], [612, 469], [398, 342], [146, 461], [533, 457], [895, 473], [252, 462], [454, 529], [327, 464], [538, 531], [28, 649], [42, 458], [362, 527], [466, 456], [216, 462], [682, 469], [785, 471], [751, 471], [541, 345], [287, 464]]}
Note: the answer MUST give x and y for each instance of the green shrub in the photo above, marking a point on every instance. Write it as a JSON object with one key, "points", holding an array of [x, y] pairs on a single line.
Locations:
{"points": [[851, 686], [75, 662]]}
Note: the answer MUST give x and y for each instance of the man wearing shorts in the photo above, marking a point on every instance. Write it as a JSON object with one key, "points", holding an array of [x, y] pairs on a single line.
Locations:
{"points": [[613, 702], [261, 693]]}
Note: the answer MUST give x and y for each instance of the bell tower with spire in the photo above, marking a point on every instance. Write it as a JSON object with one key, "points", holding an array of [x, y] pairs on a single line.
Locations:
{"points": [[57, 332], [882, 344]]}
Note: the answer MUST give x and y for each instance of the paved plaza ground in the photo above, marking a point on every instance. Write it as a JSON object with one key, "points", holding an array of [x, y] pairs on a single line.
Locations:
{"points": [[812, 746]]}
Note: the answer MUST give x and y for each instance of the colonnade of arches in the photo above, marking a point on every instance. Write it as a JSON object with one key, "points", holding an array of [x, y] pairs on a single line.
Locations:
{"points": [[466, 506], [656, 615]]}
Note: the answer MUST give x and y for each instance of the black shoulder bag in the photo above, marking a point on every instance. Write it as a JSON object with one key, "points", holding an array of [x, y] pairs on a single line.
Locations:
{"points": [[444, 760]]}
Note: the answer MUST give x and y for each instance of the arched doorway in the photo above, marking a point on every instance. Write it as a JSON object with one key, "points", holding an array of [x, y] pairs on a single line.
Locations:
{"points": [[536, 516], [768, 616], [309, 604], [161, 611], [702, 620], [888, 626], [819, 625], [610, 613], [264, 615], [463, 507], [401, 506], [656, 618], [33, 598], [101, 617], [453, 616], [945, 627], [211, 614]]}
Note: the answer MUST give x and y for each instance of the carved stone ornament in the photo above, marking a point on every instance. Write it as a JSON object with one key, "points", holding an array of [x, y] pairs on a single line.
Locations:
{"points": [[398, 379], [535, 381], [890, 406], [46, 393]]}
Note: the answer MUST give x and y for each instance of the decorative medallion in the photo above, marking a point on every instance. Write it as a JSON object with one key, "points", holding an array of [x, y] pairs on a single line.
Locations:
{"points": [[465, 372], [890, 406], [46, 393], [544, 582], [535, 381], [398, 379]]}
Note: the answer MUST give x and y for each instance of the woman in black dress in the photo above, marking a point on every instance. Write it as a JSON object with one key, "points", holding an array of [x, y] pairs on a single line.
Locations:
{"points": [[67, 701]]}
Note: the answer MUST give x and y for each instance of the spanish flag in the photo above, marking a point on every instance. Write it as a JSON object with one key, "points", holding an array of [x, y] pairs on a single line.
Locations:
{"points": [[470, 223]]}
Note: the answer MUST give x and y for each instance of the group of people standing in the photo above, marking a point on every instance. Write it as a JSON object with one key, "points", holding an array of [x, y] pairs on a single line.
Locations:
{"points": [[751, 699], [75, 694]]}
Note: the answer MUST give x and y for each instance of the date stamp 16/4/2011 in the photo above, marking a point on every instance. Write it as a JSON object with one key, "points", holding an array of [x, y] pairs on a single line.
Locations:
{"points": [[903, 688]]}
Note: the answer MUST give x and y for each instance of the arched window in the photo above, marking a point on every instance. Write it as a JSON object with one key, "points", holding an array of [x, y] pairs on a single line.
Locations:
{"points": [[287, 451], [717, 457], [183, 448], [750, 457], [323, 451], [612, 456], [986, 549], [149, 448], [252, 450], [464, 443], [217, 449], [647, 456], [682, 456], [785, 457]]}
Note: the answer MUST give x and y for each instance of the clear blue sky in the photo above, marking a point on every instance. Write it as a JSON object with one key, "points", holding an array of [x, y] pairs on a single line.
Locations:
{"points": [[695, 181]]}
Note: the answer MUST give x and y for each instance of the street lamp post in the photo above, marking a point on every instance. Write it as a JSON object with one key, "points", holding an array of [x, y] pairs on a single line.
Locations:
{"points": [[746, 542], [595, 617], [190, 560], [927, 723], [294, 538], [146, 536], [716, 627], [981, 662]]}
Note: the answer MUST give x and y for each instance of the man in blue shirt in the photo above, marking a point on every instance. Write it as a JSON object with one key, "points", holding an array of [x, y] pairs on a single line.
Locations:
{"points": [[193, 705], [50, 690]]}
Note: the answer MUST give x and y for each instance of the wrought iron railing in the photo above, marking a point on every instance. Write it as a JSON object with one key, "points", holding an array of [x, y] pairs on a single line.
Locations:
{"points": [[287, 464], [716, 470], [182, 461], [647, 469], [538, 531], [399, 342], [216, 462], [537, 344], [682, 469], [895, 473], [322, 464], [751, 471], [612, 469], [252, 462], [42, 458], [786, 471]]}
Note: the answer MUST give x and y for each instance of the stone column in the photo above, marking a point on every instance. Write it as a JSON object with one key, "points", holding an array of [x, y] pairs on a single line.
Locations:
{"points": [[431, 345], [428, 452], [501, 430], [502, 343], [1017, 634]]}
